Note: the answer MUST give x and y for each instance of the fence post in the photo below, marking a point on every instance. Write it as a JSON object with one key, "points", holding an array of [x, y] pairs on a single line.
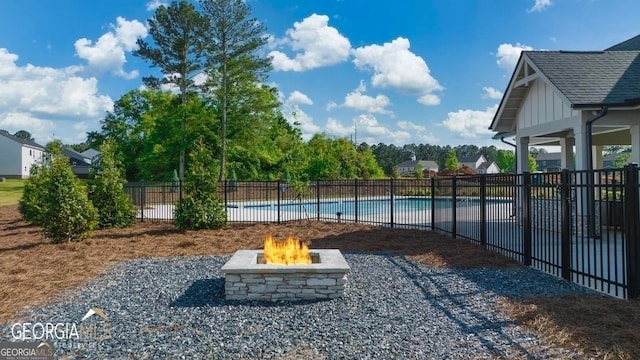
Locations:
{"points": [[483, 210], [355, 188], [318, 198], [226, 200], [392, 190], [433, 203], [526, 217], [454, 200], [565, 207], [632, 213], [278, 201], [143, 200]]}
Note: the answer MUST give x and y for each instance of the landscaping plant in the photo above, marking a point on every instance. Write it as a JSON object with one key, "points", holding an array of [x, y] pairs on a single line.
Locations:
{"points": [[115, 209], [31, 203], [66, 214], [201, 208]]}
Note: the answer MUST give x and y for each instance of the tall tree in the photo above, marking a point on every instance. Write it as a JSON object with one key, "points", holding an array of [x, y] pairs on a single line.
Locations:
{"points": [[451, 162], [234, 40], [506, 161], [179, 34]]}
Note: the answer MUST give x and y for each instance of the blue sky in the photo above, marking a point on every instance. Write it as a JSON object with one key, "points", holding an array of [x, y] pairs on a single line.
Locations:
{"points": [[428, 71]]}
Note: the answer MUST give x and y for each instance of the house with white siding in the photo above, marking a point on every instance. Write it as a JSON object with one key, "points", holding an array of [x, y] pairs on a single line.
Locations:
{"points": [[479, 164], [18, 155]]}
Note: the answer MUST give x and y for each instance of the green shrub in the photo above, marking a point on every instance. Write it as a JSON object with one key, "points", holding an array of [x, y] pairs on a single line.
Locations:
{"points": [[115, 209], [201, 208], [31, 205], [67, 213]]}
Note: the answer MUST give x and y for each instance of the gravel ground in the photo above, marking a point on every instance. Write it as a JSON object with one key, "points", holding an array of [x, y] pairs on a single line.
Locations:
{"points": [[393, 308]]}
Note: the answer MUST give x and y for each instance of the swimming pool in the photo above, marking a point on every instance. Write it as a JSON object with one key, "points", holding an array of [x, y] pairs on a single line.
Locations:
{"points": [[364, 207]]}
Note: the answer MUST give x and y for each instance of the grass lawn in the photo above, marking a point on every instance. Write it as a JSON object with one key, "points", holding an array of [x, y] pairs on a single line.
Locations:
{"points": [[11, 191]]}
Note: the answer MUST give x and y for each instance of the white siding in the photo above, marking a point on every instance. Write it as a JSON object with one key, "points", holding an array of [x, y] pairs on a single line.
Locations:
{"points": [[9, 157], [542, 105], [30, 156]]}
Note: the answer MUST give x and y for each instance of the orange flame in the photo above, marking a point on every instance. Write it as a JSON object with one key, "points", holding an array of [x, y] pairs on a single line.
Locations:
{"points": [[289, 252]]}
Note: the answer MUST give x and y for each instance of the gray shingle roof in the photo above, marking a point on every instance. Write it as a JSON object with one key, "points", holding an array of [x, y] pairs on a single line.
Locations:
{"points": [[589, 78], [470, 159], [627, 45], [21, 141], [426, 164], [549, 156]]}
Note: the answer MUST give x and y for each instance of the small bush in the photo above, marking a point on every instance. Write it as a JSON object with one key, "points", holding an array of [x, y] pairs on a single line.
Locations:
{"points": [[201, 208], [115, 209], [67, 213], [31, 205]]}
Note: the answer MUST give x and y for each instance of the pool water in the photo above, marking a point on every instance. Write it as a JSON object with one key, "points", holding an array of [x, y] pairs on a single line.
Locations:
{"points": [[364, 207]]}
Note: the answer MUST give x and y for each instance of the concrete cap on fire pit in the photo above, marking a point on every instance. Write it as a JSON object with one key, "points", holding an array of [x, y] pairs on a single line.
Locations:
{"points": [[246, 262]]}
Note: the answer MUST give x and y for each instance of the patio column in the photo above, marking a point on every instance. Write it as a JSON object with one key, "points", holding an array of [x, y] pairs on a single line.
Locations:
{"points": [[635, 143], [522, 154], [597, 157], [566, 151], [582, 159]]}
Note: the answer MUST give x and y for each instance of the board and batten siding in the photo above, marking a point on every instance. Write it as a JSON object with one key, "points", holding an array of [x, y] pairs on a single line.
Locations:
{"points": [[543, 105]]}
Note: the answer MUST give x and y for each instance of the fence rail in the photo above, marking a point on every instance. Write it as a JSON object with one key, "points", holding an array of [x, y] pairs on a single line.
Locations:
{"points": [[583, 226]]}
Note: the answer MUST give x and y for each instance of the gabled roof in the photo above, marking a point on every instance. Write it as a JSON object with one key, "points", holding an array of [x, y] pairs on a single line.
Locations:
{"points": [[583, 79], [75, 157], [485, 165], [21, 141], [592, 78], [426, 164], [627, 45], [470, 159], [90, 153]]}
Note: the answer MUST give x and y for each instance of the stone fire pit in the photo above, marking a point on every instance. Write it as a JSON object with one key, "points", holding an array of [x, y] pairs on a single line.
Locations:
{"points": [[247, 277]]}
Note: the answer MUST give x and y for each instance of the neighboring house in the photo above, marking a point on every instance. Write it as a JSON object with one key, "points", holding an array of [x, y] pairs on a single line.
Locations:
{"points": [[479, 164], [586, 99], [80, 164], [472, 162], [18, 155], [488, 167], [549, 162], [409, 167], [90, 154]]}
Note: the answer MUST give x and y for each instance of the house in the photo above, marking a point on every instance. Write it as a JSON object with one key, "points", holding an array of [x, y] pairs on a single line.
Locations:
{"points": [[80, 164], [409, 167], [549, 162], [479, 164], [91, 154], [586, 99], [18, 155]]}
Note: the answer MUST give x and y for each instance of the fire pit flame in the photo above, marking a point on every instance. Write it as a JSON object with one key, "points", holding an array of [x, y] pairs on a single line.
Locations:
{"points": [[289, 252]]}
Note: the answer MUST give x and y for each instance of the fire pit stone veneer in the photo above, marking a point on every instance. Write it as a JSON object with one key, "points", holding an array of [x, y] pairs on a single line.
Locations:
{"points": [[246, 278]]}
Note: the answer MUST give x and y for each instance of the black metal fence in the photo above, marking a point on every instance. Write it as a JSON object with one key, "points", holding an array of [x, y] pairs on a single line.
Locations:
{"points": [[583, 226]]}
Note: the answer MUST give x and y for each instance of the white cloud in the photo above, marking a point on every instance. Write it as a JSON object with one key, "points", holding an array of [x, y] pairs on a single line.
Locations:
{"points": [[540, 5], [470, 123], [315, 43], [154, 4], [508, 55], [419, 131], [395, 66], [489, 92], [369, 130], [108, 53], [357, 100], [298, 98], [42, 100]]}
